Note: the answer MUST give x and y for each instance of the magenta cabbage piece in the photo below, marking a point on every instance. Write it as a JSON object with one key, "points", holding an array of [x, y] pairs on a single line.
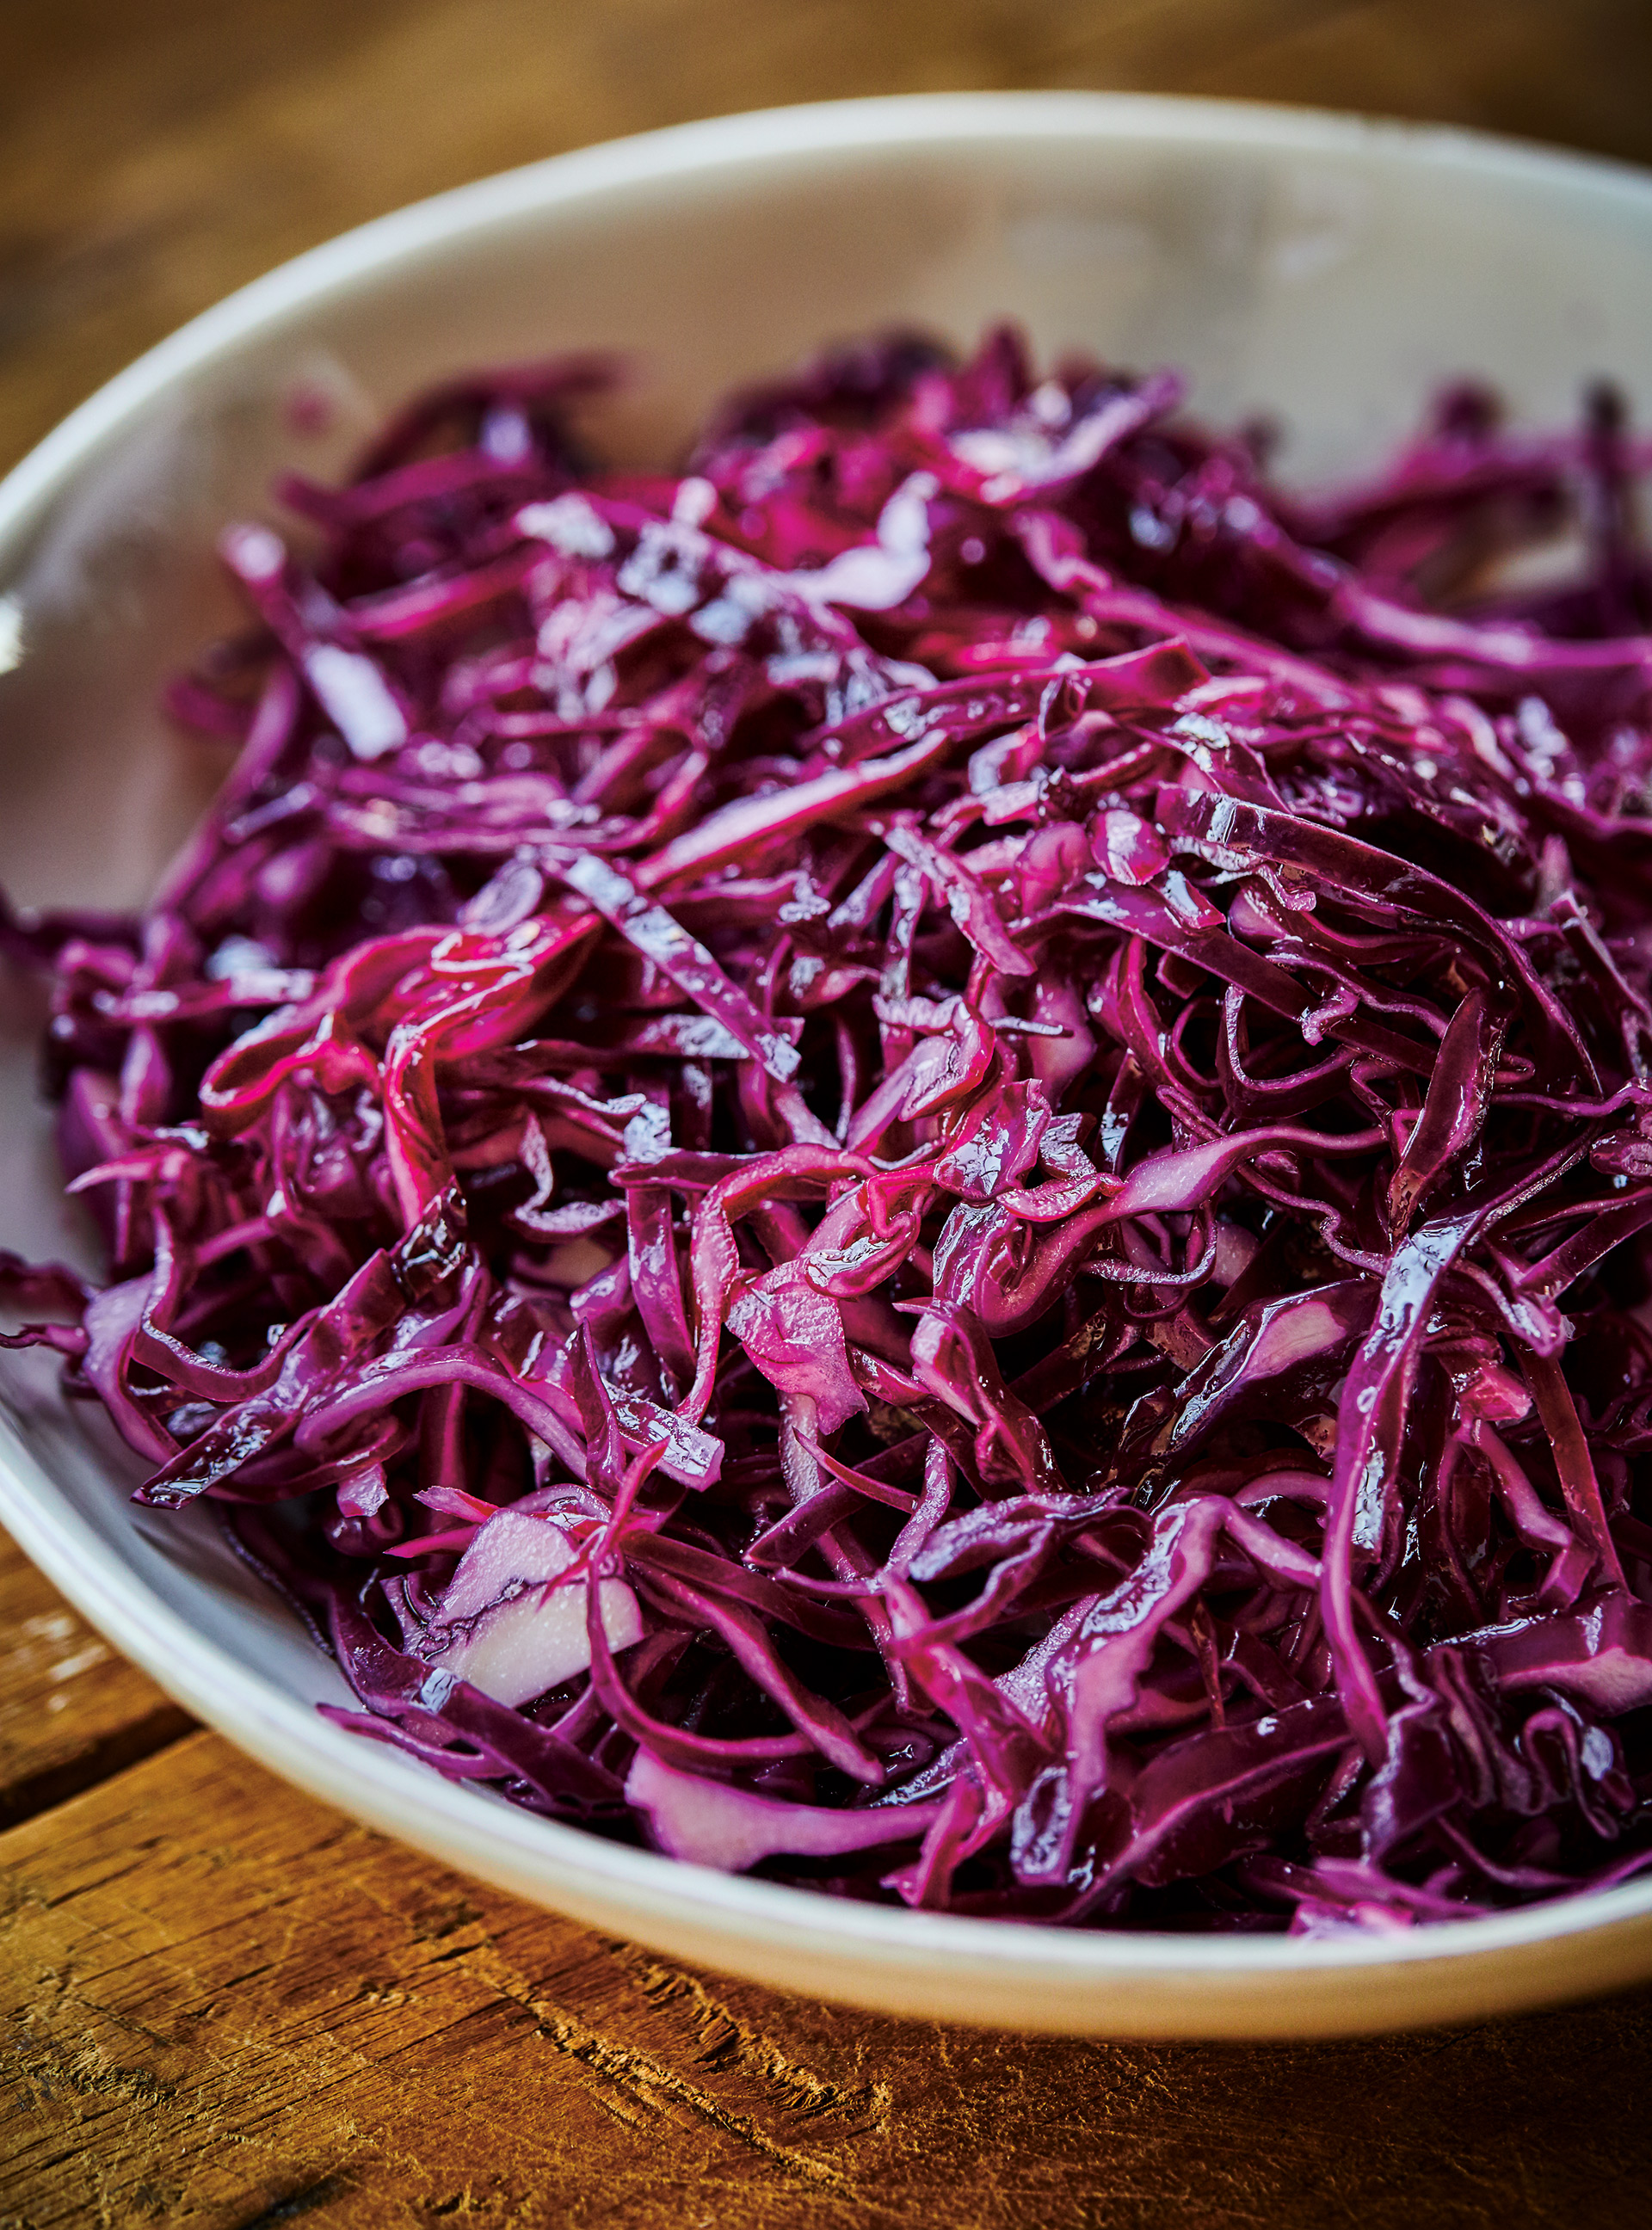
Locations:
{"points": [[923, 1159]]}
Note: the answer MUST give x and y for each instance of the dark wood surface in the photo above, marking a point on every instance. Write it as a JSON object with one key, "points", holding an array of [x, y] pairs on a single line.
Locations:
{"points": [[222, 2005]]}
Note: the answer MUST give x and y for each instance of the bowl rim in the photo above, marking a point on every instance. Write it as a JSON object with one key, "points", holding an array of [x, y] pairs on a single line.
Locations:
{"points": [[492, 1839]]}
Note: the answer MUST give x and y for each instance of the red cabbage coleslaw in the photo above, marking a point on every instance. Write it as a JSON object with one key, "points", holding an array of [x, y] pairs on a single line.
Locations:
{"points": [[923, 1158]]}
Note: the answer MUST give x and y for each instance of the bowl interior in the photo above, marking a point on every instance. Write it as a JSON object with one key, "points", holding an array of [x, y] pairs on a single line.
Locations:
{"points": [[1327, 274]]}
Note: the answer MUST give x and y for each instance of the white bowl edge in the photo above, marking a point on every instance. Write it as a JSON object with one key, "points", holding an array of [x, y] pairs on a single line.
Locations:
{"points": [[915, 1963]]}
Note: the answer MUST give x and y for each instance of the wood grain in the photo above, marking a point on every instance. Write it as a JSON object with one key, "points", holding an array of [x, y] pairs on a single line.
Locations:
{"points": [[225, 2006], [71, 1711]]}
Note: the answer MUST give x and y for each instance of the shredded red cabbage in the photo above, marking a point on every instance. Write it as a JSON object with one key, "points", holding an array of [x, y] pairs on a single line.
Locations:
{"points": [[924, 1159]]}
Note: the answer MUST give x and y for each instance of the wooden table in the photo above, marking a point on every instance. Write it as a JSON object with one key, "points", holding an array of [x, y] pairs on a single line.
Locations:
{"points": [[226, 2007]]}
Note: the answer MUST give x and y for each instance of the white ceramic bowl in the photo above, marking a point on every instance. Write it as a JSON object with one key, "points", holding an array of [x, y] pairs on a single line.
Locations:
{"points": [[1327, 271]]}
